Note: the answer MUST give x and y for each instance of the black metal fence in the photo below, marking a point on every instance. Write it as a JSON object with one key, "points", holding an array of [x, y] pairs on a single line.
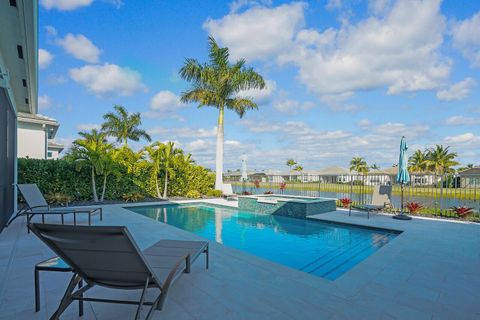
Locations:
{"points": [[432, 195]]}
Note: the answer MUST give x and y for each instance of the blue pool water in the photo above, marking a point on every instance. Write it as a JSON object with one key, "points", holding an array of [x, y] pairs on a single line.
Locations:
{"points": [[326, 250]]}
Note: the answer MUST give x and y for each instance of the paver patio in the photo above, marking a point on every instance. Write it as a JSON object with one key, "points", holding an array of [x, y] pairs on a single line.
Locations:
{"points": [[430, 271]]}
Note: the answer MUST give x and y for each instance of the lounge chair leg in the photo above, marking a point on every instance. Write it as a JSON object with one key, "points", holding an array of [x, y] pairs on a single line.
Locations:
{"points": [[28, 223], [142, 298], [74, 218], [63, 219], [37, 290], [89, 219], [101, 214], [207, 258], [67, 297], [187, 264], [80, 302], [43, 218], [157, 305]]}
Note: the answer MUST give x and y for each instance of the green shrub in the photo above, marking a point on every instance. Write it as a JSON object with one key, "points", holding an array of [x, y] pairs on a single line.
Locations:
{"points": [[58, 198], [133, 196], [193, 194], [214, 193]]}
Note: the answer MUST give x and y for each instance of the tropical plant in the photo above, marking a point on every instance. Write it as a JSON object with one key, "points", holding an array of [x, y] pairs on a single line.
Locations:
{"points": [[283, 186], [359, 165], [462, 211], [418, 162], [133, 197], [58, 198], [291, 163], [414, 207], [218, 84], [169, 154], [124, 126], [89, 151], [154, 155], [193, 194], [108, 166], [256, 183], [298, 168], [374, 167], [440, 160], [346, 202], [466, 167]]}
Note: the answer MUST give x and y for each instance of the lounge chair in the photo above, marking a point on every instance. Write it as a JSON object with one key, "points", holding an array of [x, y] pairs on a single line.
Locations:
{"points": [[228, 192], [35, 204], [108, 256], [381, 199]]}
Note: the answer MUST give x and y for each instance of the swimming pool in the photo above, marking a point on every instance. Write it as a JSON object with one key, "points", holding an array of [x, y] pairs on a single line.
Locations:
{"points": [[323, 249]]}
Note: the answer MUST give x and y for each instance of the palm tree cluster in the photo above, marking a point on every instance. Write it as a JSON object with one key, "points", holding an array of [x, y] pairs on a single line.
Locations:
{"points": [[438, 160], [93, 151], [359, 165]]}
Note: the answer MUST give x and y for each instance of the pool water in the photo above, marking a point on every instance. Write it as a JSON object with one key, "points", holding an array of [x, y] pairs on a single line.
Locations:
{"points": [[323, 249]]}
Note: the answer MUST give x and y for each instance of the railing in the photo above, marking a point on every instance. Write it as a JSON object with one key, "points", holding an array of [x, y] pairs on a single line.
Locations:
{"points": [[437, 194]]}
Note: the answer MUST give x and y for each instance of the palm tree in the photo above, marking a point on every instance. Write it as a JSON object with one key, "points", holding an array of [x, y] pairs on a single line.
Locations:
{"points": [[89, 152], [217, 84], [359, 165], [108, 167], [418, 162], [440, 160], [291, 163], [169, 154], [154, 154], [124, 126], [374, 167]]}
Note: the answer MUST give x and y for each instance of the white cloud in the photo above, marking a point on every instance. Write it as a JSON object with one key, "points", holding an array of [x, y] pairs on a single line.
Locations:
{"points": [[463, 139], [364, 123], [259, 32], [334, 4], [56, 79], [260, 96], [108, 79], [65, 5], [165, 101], [290, 106], [44, 58], [44, 102], [88, 126], [239, 4], [80, 47], [184, 132], [462, 120], [466, 38], [51, 31], [457, 91]]}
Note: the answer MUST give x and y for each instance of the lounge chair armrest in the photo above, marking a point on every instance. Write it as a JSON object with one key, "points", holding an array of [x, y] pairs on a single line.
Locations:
{"points": [[171, 276]]}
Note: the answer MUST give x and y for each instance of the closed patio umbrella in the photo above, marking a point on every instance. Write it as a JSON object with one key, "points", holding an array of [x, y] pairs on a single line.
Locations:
{"points": [[403, 177]]}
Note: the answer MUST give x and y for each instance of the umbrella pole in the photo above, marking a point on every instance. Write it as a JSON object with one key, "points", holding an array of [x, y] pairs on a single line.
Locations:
{"points": [[401, 215]]}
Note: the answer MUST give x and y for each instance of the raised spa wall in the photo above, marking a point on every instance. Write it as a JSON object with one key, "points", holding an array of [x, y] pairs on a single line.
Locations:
{"points": [[286, 207]]}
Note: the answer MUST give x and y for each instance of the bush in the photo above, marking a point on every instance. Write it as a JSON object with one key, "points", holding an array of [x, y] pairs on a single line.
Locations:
{"points": [[358, 183], [58, 198], [193, 194], [214, 193], [133, 196]]}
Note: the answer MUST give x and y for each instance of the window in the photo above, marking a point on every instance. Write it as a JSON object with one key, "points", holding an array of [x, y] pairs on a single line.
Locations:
{"points": [[26, 100], [20, 51], [24, 82], [49, 154], [13, 3]]}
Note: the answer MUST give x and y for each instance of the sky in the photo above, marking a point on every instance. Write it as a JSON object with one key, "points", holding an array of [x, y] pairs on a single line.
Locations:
{"points": [[344, 78]]}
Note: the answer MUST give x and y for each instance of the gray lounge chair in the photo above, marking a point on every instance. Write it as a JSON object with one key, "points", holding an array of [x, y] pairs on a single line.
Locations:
{"points": [[381, 199], [35, 204], [109, 257]]}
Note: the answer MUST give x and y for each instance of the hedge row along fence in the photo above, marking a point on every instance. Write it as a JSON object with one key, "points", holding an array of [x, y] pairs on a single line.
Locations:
{"points": [[61, 177]]}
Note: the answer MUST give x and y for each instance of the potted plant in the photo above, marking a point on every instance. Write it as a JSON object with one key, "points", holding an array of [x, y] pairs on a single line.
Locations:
{"points": [[346, 202], [414, 207]]}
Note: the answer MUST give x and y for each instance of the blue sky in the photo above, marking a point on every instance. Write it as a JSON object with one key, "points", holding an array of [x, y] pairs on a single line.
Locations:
{"points": [[344, 78]]}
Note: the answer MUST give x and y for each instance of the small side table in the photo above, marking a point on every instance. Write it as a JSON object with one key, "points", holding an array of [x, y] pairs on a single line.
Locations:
{"points": [[52, 264]]}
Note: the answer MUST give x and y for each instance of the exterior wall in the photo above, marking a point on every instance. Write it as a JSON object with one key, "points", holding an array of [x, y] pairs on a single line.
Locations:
{"points": [[52, 154], [31, 141]]}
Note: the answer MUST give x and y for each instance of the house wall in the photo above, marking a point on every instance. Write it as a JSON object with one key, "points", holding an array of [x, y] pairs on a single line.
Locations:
{"points": [[31, 141], [52, 154]]}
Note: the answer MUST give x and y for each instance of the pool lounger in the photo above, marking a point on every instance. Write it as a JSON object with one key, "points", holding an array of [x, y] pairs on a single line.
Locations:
{"points": [[109, 257], [381, 199]]}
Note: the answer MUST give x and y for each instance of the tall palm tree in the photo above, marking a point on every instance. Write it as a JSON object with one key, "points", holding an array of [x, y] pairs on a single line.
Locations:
{"points": [[124, 126], [108, 167], [374, 167], [418, 162], [217, 84], [169, 154], [89, 151], [154, 153], [359, 165]]}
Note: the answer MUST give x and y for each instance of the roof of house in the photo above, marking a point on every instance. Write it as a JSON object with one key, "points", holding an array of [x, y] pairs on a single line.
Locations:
{"points": [[37, 118], [475, 170], [55, 146]]}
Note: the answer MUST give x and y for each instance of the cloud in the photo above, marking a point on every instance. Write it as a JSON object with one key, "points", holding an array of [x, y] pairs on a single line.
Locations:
{"points": [[108, 79], [260, 96], [239, 4], [53, 79], [462, 121], [290, 106], [44, 102], [65, 5], [466, 38], [463, 139], [88, 126], [259, 32], [185, 132], [165, 101], [80, 47], [51, 31], [44, 58], [457, 91]]}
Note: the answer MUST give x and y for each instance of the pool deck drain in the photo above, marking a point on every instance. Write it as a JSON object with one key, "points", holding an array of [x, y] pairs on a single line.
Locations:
{"points": [[430, 271]]}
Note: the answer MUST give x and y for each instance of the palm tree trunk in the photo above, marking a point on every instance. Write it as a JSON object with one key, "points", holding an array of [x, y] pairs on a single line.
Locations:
{"points": [[104, 187], [156, 185], [94, 186], [166, 183], [219, 156]]}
